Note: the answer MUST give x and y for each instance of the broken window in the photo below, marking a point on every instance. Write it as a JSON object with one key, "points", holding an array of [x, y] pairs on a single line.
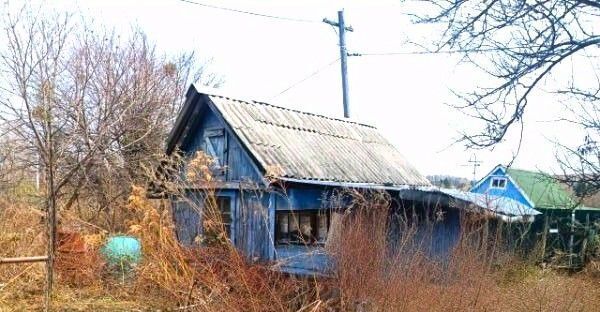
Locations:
{"points": [[302, 227]]}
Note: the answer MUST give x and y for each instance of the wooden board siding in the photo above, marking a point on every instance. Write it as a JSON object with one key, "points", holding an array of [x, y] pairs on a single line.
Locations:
{"points": [[250, 221], [298, 197], [240, 167], [237, 163], [250, 216], [435, 236], [510, 191], [440, 238], [187, 217], [253, 226], [253, 231]]}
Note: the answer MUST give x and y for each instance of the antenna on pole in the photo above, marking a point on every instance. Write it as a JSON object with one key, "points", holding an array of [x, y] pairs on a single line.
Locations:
{"points": [[475, 163], [340, 24]]}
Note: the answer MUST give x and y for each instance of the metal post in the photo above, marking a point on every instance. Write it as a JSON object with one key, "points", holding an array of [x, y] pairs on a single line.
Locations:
{"points": [[572, 238], [344, 63]]}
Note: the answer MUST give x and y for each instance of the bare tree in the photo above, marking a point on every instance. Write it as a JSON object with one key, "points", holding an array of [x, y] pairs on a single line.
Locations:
{"points": [[142, 88], [520, 45], [15, 175], [86, 105]]}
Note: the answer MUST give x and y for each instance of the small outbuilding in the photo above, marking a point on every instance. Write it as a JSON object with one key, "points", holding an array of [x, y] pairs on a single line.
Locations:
{"points": [[311, 157]]}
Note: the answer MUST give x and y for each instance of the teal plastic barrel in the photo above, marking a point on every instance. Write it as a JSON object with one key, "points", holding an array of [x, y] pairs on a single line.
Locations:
{"points": [[122, 251]]}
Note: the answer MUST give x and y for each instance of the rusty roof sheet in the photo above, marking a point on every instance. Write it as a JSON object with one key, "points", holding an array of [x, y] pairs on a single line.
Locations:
{"points": [[309, 147]]}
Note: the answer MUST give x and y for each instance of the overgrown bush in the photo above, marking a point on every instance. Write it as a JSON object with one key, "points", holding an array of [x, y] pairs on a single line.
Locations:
{"points": [[374, 271]]}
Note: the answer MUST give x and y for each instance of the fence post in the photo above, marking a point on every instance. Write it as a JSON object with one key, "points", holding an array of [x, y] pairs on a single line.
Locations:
{"points": [[544, 237]]}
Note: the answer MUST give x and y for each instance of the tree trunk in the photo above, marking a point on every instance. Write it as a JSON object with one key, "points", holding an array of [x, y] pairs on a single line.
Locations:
{"points": [[50, 210]]}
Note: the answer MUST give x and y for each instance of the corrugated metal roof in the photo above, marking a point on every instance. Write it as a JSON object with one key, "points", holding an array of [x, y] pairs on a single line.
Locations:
{"points": [[497, 204], [310, 147]]}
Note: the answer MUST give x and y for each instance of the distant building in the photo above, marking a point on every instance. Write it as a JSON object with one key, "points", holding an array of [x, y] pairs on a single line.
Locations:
{"points": [[534, 189], [562, 214]]}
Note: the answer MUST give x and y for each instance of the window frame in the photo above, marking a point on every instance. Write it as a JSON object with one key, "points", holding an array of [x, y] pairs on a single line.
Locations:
{"points": [[296, 219], [499, 179], [218, 168]]}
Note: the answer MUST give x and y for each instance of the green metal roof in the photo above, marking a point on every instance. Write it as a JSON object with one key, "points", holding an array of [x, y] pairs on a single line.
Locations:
{"points": [[588, 208], [542, 189]]}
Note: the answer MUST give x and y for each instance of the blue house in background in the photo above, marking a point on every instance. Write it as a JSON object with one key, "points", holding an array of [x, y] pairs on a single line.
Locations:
{"points": [[312, 158], [565, 222], [536, 190], [533, 189]]}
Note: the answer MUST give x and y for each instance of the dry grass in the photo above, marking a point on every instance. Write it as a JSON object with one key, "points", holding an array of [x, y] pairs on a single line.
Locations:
{"points": [[21, 234], [217, 278], [476, 277], [213, 278]]}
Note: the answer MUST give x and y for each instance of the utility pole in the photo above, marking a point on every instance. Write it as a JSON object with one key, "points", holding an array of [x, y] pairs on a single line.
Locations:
{"points": [[340, 24]]}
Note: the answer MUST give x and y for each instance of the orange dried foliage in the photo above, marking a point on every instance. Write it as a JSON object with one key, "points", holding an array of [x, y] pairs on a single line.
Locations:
{"points": [[77, 262]]}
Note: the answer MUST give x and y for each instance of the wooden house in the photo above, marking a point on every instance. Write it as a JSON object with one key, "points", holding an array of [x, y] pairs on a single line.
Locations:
{"points": [[311, 156], [534, 189], [563, 219]]}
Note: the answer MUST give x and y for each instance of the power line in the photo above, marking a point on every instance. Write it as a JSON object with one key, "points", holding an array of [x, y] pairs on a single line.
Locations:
{"points": [[442, 51], [316, 72], [292, 19]]}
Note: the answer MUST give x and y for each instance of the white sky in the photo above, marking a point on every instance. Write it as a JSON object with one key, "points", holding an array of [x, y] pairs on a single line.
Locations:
{"points": [[404, 96]]}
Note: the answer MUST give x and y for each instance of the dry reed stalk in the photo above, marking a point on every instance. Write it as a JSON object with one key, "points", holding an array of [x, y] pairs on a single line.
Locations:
{"points": [[479, 275]]}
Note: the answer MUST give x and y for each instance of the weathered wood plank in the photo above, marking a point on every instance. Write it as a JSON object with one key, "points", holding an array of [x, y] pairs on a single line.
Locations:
{"points": [[24, 259]]}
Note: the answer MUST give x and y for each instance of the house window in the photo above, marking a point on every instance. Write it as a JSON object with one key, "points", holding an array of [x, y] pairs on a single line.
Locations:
{"points": [[307, 227], [499, 183], [215, 145]]}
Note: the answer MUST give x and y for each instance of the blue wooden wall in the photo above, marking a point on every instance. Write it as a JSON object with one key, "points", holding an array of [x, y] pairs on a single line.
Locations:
{"points": [[253, 224], [187, 216], [253, 227], [239, 166], [249, 210], [511, 190], [249, 225], [300, 197], [433, 229], [439, 238]]}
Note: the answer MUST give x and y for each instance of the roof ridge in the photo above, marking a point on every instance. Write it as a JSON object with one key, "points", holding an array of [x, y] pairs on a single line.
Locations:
{"points": [[293, 110], [526, 170], [545, 175]]}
